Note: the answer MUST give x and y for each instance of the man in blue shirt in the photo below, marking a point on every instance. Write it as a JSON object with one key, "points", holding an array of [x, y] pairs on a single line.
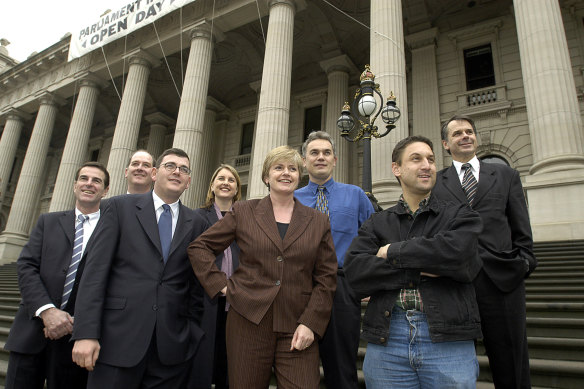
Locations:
{"points": [[348, 207]]}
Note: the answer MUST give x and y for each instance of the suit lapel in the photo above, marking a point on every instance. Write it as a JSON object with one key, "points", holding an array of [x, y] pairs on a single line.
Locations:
{"points": [[67, 223], [301, 219], [487, 179], [182, 228], [452, 184], [264, 215], [147, 218]]}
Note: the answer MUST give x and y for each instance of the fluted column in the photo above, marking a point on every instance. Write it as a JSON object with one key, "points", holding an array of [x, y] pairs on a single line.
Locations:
{"points": [[129, 118], [550, 91], [191, 114], [274, 105], [28, 187], [159, 124], [8, 147], [337, 70], [388, 63], [75, 151], [425, 97], [555, 124]]}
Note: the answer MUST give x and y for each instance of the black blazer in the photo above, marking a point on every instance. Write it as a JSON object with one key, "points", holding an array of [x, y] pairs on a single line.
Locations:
{"points": [[127, 291], [506, 243], [201, 374], [42, 268]]}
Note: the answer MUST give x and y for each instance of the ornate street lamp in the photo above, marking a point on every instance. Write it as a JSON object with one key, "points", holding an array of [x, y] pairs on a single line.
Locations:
{"points": [[367, 101]]}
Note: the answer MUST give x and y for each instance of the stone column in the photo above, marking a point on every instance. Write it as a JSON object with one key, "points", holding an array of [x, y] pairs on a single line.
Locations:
{"points": [[555, 124], [26, 195], [425, 97], [191, 114], [388, 63], [159, 124], [9, 145], [75, 150], [274, 105], [129, 118], [337, 70], [199, 187]]}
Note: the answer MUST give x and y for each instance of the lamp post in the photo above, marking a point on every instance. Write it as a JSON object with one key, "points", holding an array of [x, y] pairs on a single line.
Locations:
{"points": [[366, 104]]}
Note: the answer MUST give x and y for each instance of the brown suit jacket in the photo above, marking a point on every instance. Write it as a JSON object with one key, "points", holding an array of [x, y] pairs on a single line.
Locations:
{"points": [[297, 275]]}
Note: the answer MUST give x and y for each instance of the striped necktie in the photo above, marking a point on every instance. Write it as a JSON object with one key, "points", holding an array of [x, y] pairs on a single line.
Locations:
{"points": [[321, 201], [469, 183], [75, 259]]}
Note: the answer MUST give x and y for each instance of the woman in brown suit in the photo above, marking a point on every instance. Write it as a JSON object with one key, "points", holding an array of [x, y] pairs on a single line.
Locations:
{"points": [[281, 294]]}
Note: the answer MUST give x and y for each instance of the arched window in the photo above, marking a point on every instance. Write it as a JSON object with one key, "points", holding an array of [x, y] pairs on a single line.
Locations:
{"points": [[494, 159]]}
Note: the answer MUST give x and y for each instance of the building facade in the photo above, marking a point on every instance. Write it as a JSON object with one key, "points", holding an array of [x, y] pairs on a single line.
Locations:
{"points": [[229, 80]]}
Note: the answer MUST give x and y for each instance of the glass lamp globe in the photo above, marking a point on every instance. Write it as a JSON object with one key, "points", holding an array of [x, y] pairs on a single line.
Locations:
{"points": [[367, 105], [345, 123], [390, 113]]}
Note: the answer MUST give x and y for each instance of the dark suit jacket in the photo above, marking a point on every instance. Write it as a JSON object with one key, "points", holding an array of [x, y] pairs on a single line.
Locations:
{"points": [[202, 367], [42, 268], [296, 275], [127, 292], [506, 242]]}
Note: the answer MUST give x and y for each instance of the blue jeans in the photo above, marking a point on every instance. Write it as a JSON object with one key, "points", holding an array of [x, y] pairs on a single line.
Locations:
{"points": [[411, 360]]}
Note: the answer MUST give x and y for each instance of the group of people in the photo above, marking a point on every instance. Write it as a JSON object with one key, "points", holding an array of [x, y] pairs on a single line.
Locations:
{"points": [[140, 291]]}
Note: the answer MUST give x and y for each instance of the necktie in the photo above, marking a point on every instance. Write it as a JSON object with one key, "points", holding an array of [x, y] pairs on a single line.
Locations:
{"points": [[469, 183], [75, 259], [321, 201], [165, 231]]}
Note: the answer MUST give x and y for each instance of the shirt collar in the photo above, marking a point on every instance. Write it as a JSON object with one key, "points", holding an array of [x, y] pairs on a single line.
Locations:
{"points": [[158, 202], [474, 163], [93, 217], [328, 185], [421, 207]]}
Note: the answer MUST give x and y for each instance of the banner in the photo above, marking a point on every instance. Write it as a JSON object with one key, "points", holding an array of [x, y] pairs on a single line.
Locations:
{"points": [[119, 23]]}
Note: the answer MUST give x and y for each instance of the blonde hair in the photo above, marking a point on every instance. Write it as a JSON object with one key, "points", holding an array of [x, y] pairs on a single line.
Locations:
{"points": [[211, 196], [279, 154]]}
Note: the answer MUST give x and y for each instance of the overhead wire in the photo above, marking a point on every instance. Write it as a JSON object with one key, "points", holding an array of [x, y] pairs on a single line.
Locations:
{"points": [[166, 60], [260, 19]]}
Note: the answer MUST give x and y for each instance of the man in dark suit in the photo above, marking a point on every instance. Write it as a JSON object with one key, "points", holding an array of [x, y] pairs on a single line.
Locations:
{"points": [[49, 269], [505, 247], [139, 304]]}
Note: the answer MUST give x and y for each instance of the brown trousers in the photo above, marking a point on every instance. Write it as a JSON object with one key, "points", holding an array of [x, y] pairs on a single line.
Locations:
{"points": [[252, 351]]}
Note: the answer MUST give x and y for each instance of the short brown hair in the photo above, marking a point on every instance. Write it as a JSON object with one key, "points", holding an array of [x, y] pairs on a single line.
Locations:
{"points": [[211, 196], [97, 165], [281, 153], [172, 151]]}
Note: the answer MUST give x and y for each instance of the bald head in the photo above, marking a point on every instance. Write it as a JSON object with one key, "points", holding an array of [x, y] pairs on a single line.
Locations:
{"points": [[139, 172]]}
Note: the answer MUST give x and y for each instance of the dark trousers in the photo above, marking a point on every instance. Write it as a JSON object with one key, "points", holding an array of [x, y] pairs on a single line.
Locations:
{"points": [[220, 356], [53, 364], [504, 332], [340, 343], [149, 373], [252, 351]]}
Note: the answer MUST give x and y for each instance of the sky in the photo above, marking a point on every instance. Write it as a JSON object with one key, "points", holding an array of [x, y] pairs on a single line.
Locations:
{"points": [[35, 25]]}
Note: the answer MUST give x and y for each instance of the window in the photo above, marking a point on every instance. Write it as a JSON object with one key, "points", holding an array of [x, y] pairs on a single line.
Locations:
{"points": [[312, 120], [494, 159], [478, 66], [94, 155], [246, 138]]}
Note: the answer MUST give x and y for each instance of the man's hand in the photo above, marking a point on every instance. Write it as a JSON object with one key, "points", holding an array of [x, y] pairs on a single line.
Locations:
{"points": [[86, 352], [302, 339], [382, 252], [57, 323], [423, 273]]}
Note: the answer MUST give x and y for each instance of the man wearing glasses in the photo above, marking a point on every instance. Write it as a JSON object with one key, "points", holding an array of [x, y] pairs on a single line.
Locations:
{"points": [[139, 303]]}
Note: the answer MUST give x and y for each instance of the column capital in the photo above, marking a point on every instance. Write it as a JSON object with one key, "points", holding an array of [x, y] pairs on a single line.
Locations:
{"points": [[422, 38], [49, 98], [203, 29], [12, 113], [339, 63], [298, 5], [142, 57], [91, 80], [214, 105], [160, 118]]}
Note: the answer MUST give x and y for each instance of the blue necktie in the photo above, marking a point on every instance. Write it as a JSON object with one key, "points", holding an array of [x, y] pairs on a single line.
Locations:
{"points": [[469, 183], [75, 259], [165, 230]]}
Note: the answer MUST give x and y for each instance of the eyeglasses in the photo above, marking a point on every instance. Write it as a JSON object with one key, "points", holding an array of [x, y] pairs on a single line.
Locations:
{"points": [[171, 167]]}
